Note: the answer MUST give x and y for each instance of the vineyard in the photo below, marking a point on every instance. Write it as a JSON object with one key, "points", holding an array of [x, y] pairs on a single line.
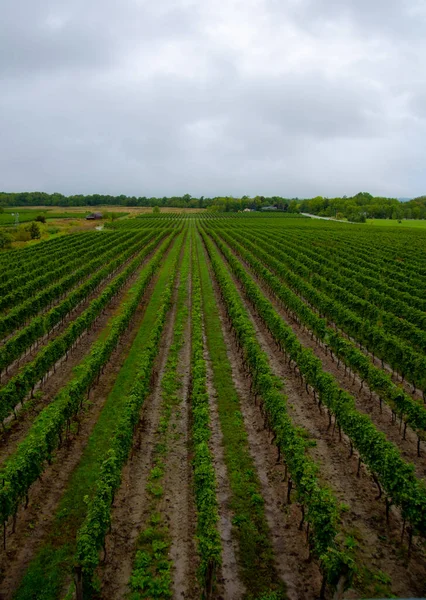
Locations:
{"points": [[209, 406]]}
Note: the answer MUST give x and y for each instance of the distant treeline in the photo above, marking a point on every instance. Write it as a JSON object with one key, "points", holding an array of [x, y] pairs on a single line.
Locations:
{"points": [[355, 208], [365, 206], [228, 204]]}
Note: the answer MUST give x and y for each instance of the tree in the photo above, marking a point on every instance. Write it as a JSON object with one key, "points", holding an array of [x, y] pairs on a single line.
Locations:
{"points": [[156, 210], [41, 219], [34, 230]]}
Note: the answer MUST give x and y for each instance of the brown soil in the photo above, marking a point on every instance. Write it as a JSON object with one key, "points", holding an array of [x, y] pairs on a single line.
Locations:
{"points": [[62, 372], [366, 402], [34, 523], [303, 578], [178, 484], [229, 585], [131, 509], [379, 543]]}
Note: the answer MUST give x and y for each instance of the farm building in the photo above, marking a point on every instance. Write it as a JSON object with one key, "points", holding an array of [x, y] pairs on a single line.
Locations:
{"points": [[94, 215]]}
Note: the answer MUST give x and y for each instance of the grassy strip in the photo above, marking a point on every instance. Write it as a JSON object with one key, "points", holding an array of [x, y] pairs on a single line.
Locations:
{"points": [[45, 575], [151, 575], [250, 526], [91, 535], [208, 537]]}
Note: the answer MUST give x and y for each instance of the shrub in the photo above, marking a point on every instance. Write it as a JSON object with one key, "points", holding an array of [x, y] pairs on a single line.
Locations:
{"points": [[5, 239], [22, 234]]}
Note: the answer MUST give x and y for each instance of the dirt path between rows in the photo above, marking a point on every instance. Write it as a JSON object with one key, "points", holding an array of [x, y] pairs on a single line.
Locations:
{"points": [[366, 403], [303, 578], [131, 505], [62, 373], [179, 498], [229, 584], [379, 543], [34, 523]]}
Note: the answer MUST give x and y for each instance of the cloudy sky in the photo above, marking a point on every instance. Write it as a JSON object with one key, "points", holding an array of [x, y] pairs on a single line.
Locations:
{"points": [[209, 97]]}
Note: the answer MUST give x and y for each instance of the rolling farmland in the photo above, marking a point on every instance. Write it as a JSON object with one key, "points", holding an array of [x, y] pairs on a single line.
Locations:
{"points": [[209, 406]]}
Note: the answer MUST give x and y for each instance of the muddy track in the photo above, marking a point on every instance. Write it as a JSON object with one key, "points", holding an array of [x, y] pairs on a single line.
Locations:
{"points": [[34, 524], [379, 542], [229, 584], [179, 499], [366, 402], [62, 373], [130, 511], [303, 578]]}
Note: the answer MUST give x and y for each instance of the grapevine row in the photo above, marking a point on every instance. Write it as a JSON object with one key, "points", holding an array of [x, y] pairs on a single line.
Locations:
{"points": [[152, 562], [17, 388], [27, 463], [413, 413], [208, 537], [42, 325], [21, 287], [320, 508], [382, 458], [402, 357], [400, 303], [91, 535], [20, 314], [343, 292]]}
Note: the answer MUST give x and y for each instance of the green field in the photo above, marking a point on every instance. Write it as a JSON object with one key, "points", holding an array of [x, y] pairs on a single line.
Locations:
{"points": [[8, 216], [210, 406]]}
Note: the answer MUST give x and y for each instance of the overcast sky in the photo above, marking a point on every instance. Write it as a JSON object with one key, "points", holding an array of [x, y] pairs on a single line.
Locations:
{"points": [[209, 97]]}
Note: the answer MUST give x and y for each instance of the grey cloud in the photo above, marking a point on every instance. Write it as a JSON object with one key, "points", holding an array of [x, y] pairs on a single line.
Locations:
{"points": [[39, 36], [208, 98], [397, 18]]}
